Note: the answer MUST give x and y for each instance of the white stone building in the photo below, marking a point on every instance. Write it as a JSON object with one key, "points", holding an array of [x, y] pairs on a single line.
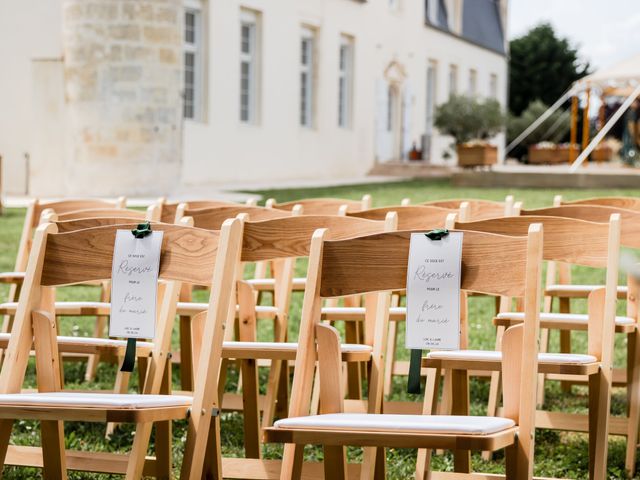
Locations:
{"points": [[95, 99]]}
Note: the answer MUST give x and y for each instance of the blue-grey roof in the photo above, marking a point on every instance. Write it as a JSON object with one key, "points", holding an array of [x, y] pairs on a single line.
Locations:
{"points": [[481, 24]]}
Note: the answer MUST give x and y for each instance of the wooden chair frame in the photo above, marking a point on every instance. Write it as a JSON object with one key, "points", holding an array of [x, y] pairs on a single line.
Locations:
{"points": [[576, 242], [185, 258], [377, 264], [324, 206]]}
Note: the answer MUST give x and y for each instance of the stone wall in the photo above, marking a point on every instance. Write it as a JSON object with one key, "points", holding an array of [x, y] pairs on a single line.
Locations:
{"points": [[123, 78]]}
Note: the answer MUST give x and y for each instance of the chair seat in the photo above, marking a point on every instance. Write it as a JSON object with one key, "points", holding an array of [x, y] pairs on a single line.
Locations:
{"points": [[93, 400], [70, 309], [496, 356], [579, 291], [428, 424], [287, 351], [577, 318], [11, 277], [90, 344]]}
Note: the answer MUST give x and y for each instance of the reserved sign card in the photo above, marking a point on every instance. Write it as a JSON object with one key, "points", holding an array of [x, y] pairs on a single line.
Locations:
{"points": [[134, 285], [433, 292]]}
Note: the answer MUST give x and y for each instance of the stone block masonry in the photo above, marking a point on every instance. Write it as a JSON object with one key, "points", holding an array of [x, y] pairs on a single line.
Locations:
{"points": [[123, 83]]}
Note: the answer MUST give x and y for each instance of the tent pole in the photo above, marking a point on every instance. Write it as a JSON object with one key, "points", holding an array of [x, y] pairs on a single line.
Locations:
{"points": [[609, 125], [527, 131], [585, 123], [574, 128]]}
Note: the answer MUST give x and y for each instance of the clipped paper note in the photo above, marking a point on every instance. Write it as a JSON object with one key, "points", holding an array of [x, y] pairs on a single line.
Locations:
{"points": [[134, 285], [433, 292]]}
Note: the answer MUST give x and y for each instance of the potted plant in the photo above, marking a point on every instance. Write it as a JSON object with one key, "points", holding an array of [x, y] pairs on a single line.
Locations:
{"points": [[471, 122]]}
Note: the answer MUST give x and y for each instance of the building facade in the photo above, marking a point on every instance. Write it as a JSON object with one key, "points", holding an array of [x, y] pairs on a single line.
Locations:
{"points": [[262, 90]]}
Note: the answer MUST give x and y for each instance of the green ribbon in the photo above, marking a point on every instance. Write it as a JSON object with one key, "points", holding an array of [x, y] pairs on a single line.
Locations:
{"points": [[437, 234], [143, 230], [415, 365], [129, 356], [415, 362]]}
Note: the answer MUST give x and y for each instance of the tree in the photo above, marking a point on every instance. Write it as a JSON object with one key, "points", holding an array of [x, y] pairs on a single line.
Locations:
{"points": [[542, 66], [467, 118]]}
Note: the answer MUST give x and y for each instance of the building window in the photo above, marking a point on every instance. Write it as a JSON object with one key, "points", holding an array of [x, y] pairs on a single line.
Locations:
{"points": [[345, 82], [193, 97], [473, 82], [432, 73], [248, 67], [453, 80], [306, 77], [493, 86]]}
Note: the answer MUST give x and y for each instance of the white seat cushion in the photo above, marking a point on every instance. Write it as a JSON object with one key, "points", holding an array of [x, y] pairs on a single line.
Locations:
{"points": [[345, 347], [582, 288], [99, 342], [432, 424], [577, 318], [94, 400], [495, 356]]}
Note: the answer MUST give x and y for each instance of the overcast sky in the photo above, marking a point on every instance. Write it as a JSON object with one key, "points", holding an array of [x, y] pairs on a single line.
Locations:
{"points": [[606, 31]]}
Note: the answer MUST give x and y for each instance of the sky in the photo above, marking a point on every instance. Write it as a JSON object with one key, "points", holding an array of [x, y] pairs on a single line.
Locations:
{"points": [[606, 31]]}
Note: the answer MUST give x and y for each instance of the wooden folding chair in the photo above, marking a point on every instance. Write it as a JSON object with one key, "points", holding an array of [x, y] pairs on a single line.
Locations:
{"points": [[324, 206], [168, 209], [629, 324], [281, 241], [375, 265], [188, 255], [577, 242]]}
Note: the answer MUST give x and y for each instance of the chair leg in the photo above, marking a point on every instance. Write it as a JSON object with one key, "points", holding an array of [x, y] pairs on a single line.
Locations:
{"points": [[511, 461], [544, 347], [444, 407], [139, 451], [423, 462], [495, 388], [94, 359], [460, 406], [163, 450], [53, 454], [633, 407], [212, 469], [599, 404], [282, 404], [250, 409], [335, 462], [292, 462], [354, 374], [565, 339], [390, 359]]}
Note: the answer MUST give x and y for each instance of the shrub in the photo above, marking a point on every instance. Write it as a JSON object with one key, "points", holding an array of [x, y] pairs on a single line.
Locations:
{"points": [[468, 118]]}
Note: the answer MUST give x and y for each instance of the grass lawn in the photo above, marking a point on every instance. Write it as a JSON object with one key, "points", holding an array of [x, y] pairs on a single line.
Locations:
{"points": [[558, 454]]}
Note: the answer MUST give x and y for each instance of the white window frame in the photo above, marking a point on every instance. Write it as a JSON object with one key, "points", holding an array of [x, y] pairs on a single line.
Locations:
{"points": [[307, 71], [251, 58], [493, 86], [196, 48], [473, 81], [453, 80], [431, 94], [345, 81]]}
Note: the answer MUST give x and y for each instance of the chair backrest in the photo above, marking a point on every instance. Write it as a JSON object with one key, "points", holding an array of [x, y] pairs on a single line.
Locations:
{"points": [[98, 213], [291, 236], [631, 203], [188, 255], [324, 206], [565, 239], [36, 208], [630, 219], [168, 209], [211, 218], [410, 217], [478, 209], [377, 264]]}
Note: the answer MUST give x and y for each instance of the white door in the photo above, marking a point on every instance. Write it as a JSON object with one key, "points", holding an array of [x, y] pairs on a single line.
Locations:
{"points": [[388, 122]]}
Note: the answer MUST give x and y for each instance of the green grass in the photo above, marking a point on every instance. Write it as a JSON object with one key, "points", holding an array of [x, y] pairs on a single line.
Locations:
{"points": [[558, 454]]}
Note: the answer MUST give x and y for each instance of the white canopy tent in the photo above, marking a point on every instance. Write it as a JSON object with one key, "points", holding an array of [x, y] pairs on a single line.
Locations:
{"points": [[622, 78]]}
